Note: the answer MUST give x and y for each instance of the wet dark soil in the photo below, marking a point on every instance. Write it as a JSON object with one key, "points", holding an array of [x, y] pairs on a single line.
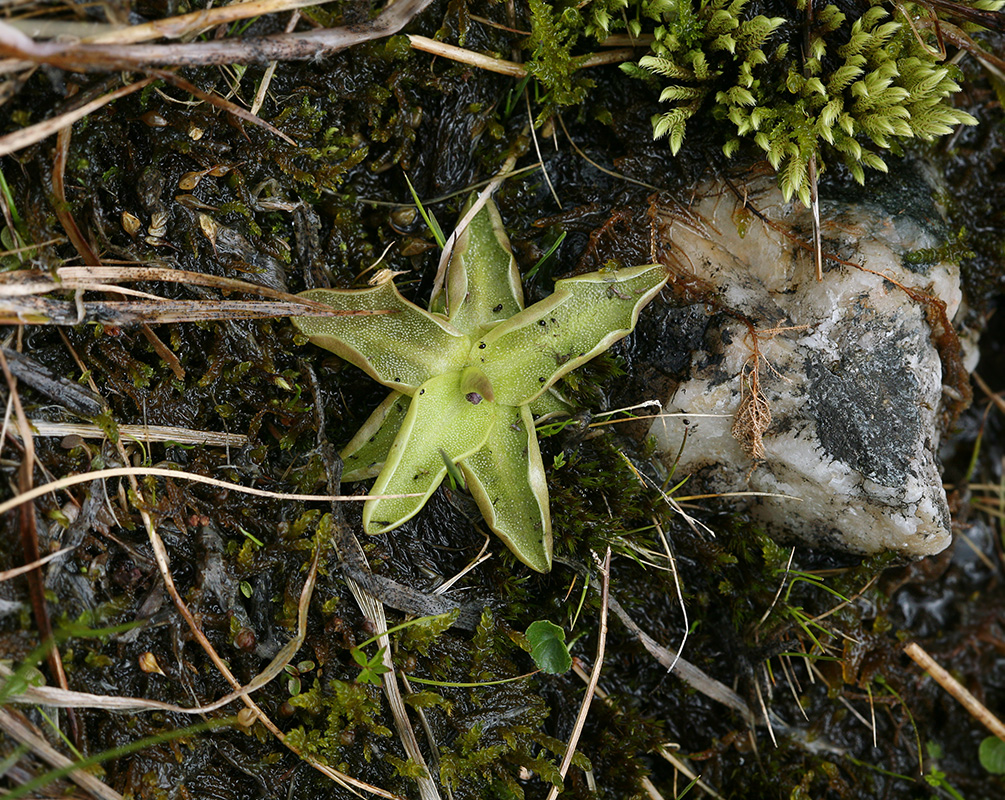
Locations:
{"points": [[850, 715]]}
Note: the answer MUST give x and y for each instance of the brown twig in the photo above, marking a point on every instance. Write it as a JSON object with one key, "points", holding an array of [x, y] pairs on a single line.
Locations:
{"points": [[29, 541], [598, 664], [977, 709], [303, 46]]}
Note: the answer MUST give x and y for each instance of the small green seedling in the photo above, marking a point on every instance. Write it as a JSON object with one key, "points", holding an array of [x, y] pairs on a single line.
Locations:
{"points": [[370, 669], [548, 648]]}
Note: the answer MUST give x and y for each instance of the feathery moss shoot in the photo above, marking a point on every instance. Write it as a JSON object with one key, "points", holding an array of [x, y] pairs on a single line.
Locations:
{"points": [[851, 88]]}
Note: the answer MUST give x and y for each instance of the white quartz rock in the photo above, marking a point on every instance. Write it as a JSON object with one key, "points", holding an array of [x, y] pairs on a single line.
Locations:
{"points": [[846, 365]]}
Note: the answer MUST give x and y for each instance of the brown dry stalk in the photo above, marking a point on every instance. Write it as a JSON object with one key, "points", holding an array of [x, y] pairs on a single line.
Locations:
{"points": [[598, 664], [975, 707], [303, 46], [27, 525], [17, 727]]}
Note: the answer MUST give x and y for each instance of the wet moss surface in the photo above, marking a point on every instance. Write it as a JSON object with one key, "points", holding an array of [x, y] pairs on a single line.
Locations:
{"points": [[850, 715]]}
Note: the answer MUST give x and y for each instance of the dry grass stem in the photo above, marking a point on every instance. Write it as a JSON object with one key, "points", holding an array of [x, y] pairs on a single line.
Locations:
{"points": [[994, 397], [597, 166], [263, 87], [686, 625], [13, 573], [164, 566], [537, 149], [684, 669], [27, 525], [180, 474], [22, 299], [373, 610], [141, 433], [310, 45], [664, 751], [18, 728], [975, 707], [191, 24], [480, 201], [598, 665], [459, 54], [63, 698]]}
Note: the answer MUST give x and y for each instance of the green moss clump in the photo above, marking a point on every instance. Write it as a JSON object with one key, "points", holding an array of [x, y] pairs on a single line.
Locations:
{"points": [[863, 86]]}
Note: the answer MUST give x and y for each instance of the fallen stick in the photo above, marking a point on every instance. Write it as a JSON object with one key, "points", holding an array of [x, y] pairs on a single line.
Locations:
{"points": [[302, 46], [976, 708]]}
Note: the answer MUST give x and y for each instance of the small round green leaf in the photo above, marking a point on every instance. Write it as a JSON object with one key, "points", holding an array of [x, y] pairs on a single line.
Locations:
{"points": [[991, 754], [547, 647]]}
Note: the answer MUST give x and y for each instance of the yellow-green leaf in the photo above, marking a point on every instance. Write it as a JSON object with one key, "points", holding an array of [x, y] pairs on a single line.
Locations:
{"points": [[586, 315], [364, 456], [506, 479], [402, 348], [439, 418]]}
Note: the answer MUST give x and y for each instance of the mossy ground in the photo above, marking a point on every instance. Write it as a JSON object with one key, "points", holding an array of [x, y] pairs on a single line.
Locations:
{"points": [[320, 213]]}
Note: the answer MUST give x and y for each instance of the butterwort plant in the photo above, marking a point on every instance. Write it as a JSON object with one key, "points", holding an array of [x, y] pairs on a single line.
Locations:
{"points": [[467, 377]]}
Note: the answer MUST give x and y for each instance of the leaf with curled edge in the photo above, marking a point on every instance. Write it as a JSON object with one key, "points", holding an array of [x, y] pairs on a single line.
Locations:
{"points": [[482, 287], [506, 479], [402, 348], [364, 456], [527, 353], [440, 417]]}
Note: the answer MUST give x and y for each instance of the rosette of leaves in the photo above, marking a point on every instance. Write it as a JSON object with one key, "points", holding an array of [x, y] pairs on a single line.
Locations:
{"points": [[862, 86], [467, 377]]}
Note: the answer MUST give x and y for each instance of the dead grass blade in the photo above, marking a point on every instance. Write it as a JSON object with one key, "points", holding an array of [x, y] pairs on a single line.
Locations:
{"points": [[15, 726], [13, 573], [221, 102], [26, 282], [22, 300], [141, 433], [598, 664], [184, 24], [373, 610], [684, 669], [179, 474], [263, 86], [81, 57], [47, 311]]}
